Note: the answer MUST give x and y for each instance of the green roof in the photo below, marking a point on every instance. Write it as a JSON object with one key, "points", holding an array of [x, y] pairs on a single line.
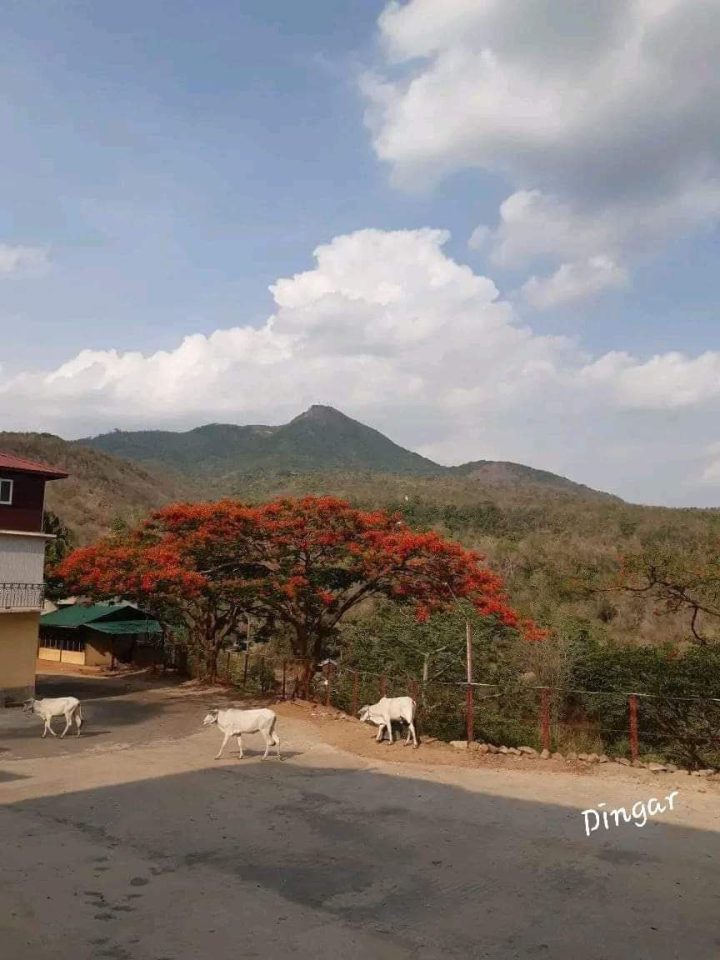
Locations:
{"points": [[122, 627], [77, 614]]}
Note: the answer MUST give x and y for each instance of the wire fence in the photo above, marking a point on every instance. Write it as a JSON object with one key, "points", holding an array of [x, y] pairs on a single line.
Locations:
{"points": [[615, 724]]}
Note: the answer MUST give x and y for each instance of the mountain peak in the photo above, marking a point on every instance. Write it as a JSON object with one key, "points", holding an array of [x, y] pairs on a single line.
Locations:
{"points": [[321, 413]]}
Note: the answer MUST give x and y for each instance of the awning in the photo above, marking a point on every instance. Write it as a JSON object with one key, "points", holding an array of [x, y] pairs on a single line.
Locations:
{"points": [[124, 627]]}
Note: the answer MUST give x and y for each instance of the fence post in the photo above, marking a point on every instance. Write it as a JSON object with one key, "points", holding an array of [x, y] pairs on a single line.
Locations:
{"points": [[328, 687], [470, 713], [545, 718], [354, 704], [227, 667], [245, 668], [284, 676], [383, 685], [633, 705]]}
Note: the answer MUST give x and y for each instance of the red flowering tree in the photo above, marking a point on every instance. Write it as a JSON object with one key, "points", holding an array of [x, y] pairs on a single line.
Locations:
{"points": [[300, 563]]}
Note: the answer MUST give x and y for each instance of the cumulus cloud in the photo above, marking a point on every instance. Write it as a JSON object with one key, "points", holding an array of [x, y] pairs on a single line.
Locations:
{"points": [[602, 115], [574, 281], [392, 330]]}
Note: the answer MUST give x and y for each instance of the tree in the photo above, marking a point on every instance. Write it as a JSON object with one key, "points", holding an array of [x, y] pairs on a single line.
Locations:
{"points": [[681, 577], [55, 552], [303, 564]]}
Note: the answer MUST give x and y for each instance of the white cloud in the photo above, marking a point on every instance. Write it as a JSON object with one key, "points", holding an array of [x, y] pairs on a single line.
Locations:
{"points": [[602, 116], [13, 259], [574, 281], [390, 329]]}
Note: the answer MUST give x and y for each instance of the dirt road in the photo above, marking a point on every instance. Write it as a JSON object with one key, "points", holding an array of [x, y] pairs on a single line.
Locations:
{"points": [[131, 842]]}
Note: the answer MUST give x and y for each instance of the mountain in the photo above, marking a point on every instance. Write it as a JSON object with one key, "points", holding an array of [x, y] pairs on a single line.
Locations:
{"points": [[320, 439], [99, 487], [501, 474]]}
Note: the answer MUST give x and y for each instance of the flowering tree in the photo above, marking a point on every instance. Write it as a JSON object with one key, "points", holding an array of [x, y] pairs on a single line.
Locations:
{"points": [[300, 563]]}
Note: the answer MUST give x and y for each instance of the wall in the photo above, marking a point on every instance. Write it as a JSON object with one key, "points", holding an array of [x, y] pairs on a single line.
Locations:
{"points": [[21, 558], [18, 652], [26, 510]]}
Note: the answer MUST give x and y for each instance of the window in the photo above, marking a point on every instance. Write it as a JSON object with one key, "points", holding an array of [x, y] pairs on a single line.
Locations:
{"points": [[6, 492]]}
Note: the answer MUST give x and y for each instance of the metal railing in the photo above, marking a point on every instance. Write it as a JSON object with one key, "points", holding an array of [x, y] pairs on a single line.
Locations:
{"points": [[21, 596]]}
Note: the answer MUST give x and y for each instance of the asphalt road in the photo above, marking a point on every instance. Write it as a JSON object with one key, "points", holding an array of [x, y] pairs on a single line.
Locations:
{"points": [[138, 846]]}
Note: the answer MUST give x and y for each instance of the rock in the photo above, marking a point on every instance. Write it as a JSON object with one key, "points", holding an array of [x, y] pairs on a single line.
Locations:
{"points": [[637, 763], [657, 767], [545, 755], [571, 755], [459, 744], [703, 773], [503, 750], [583, 756], [623, 761], [528, 751], [480, 747], [603, 759], [492, 748], [557, 756], [671, 768], [593, 758], [513, 751]]}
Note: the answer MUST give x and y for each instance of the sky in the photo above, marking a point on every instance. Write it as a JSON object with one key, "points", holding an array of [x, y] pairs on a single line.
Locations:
{"points": [[488, 229]]}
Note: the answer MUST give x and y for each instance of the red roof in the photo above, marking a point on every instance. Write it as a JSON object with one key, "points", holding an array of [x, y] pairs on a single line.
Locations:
{"points": [[8, 461]]}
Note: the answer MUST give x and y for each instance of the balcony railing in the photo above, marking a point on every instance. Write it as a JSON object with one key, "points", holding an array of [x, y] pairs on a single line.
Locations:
{"points": [[21, 596]]}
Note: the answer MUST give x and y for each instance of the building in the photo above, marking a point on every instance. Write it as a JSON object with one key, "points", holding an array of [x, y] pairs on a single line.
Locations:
{"points": [[22, 557], [99, 635]]}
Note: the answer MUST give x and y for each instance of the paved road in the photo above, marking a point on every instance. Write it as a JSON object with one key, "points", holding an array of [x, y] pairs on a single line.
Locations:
{"points": [[156, 853]]}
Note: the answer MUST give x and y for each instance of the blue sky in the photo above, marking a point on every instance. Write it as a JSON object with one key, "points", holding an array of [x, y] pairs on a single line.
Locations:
{"points": [[166, 163]]}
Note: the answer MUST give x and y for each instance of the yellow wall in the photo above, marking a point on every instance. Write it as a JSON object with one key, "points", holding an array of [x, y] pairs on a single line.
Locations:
{"points": [[18, 652], [96, 656]]}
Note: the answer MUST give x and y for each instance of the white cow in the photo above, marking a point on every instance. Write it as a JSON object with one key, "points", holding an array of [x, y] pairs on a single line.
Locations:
{"points": [[390, 709], [234, 723], [68, 707]]}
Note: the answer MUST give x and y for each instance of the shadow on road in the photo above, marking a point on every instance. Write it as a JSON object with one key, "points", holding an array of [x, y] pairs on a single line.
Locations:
{"points": [[433, 870]]}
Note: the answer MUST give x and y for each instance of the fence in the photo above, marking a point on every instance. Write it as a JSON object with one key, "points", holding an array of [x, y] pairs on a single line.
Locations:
{"points": [[616, 724]]}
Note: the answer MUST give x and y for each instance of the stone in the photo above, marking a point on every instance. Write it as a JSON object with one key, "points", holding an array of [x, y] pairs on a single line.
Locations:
{"points": [[528, 751], [480, 747], [583, 756], [503, 750], [545, 755], [623, 761], [657, 767], [603, 759], [671, 768], [637, 763], [514, 752], [571, 755], [557, 756], [492, 748], [459, 744], [593, 758]]}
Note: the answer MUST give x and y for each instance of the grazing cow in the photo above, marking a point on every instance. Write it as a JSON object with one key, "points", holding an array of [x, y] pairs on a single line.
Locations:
{"points": [[68, 707], [234, 723], [387, 710]]}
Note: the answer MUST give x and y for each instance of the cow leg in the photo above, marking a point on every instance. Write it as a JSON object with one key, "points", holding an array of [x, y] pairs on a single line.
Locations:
{"points": [[267, 744], [388, 725], [48, 726], [67, 726], [224, 743], [239, 740], [45, 728], [276, 740], [380, 733], [411, 730]]}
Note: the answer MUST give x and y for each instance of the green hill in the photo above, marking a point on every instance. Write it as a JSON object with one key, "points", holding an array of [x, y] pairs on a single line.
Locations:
{"points": [[321, 440]]}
